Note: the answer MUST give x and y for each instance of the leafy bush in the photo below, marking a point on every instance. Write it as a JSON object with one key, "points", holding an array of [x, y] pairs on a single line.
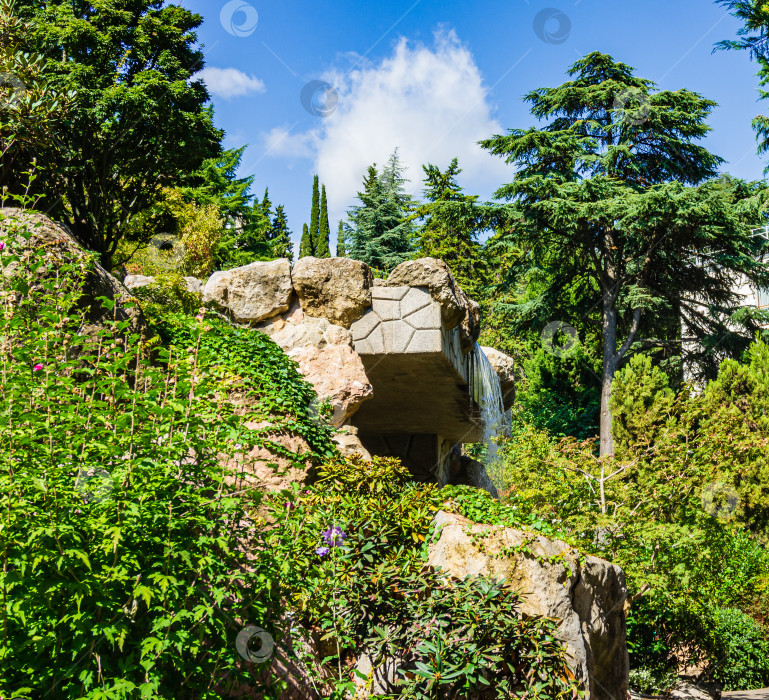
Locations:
{"points": [[738, 650], [123, 534], [644, 680], [168, 293], [365, 587]]}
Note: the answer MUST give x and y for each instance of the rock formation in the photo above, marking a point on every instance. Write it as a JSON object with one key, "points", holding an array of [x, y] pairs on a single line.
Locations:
{"points": [[252, 293], [61, 248], [586, 595], [337, 289]]}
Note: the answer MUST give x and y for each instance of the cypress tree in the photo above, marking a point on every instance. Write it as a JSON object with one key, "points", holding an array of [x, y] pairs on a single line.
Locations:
{"points": [[305, 249], [341, 251], [314, 217], [323, 247]]}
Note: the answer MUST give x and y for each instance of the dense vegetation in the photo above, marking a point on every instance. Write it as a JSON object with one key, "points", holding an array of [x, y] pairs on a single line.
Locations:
{"points": [[135, 554], [606, 269]]}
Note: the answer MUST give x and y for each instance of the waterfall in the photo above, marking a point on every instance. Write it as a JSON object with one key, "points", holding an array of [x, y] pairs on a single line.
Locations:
{"points": [[487, 392]]}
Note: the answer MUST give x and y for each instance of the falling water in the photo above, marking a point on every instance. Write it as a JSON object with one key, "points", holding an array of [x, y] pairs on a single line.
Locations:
{"points": [[487, 392]]}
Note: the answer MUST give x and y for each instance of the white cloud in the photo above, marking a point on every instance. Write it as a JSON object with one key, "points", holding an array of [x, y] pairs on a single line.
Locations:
{"points": [[429, 102], [230, 82]]}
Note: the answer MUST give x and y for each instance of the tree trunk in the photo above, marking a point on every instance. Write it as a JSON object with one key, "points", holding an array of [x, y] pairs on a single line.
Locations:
{"points": [[610, 361]]}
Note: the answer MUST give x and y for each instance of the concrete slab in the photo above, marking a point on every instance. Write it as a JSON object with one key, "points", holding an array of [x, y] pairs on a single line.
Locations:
{"points": [[420, 376]]}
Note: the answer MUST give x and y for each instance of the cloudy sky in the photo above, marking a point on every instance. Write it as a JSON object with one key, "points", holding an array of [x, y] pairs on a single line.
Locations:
{"points": [[330, 88]]}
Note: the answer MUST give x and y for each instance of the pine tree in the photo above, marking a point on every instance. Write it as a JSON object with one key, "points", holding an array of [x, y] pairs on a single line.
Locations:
{"points": [[323, 249], [282, 247], [315, 217], [381, 228], [305, 248], [341, 250]]}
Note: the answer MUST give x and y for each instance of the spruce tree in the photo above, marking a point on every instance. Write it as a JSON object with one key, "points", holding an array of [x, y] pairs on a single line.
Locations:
{"points": [[305, 248], [266, 204], [381, 228], [341, 250], [282, 247], [453, 222], [323, 249], [315, 217]]}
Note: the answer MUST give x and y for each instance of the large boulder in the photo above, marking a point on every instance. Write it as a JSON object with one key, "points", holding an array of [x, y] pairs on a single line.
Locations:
{"points": [[138, 281], [337, 289], [253, 292], [504, 366], [586, 595], [59, 247], [326, 359], [457, 309]]}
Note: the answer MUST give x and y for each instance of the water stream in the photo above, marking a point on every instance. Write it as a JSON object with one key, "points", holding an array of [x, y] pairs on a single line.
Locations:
{"points": [[496, 421]]}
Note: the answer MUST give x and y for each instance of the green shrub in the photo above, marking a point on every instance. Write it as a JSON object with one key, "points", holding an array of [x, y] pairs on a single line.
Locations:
{"points": [[738, 650], [168, 293], [372, 591]]}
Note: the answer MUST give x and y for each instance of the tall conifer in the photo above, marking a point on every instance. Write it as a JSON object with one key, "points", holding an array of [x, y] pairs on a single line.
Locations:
{"points": [[305, 249], [341, 248], [315, 216], [323, 248]]}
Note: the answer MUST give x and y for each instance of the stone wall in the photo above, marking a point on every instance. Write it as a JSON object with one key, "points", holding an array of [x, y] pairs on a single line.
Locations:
{"points": [[393, 357]]}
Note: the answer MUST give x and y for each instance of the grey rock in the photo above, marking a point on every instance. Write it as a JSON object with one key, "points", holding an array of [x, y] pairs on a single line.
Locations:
{"points": [[586, 595], [60, 247], [253, 292], [457, 309], [137, 281], [337, 289]]}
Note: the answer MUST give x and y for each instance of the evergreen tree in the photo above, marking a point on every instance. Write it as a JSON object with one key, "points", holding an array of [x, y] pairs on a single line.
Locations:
{"points": [[266, 205], [609, 209], [453, 221], [341, 250], [315, 217], [280, 235], [381, 230], [323, 249], [305, 247], [139, 117], [754, 38]]}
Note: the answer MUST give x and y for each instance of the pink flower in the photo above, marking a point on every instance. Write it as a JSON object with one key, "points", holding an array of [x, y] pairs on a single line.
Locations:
{"points": [[37, 367], [2, 245]]}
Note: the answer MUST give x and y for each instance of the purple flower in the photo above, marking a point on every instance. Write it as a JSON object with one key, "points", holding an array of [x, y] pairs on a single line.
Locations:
{"points": [[322, 551], [2, 245], [334, 536]]}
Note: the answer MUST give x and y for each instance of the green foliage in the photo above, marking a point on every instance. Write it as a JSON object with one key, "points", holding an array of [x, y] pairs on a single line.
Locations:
{"points": [[123, 532], [661, 509], [341, 248], [33, 111], [641, 402], [315, 217], [617, 217], [452, 223], [168, 293], [753, 35], [739, 647], [380, 230], [280, 235], [138, 118], [305, 249], [371, 590], [324, 232], [646, 681]]}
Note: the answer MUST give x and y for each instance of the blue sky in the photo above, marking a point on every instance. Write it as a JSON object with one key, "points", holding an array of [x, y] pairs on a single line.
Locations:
{"points": [[433, 77]]}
